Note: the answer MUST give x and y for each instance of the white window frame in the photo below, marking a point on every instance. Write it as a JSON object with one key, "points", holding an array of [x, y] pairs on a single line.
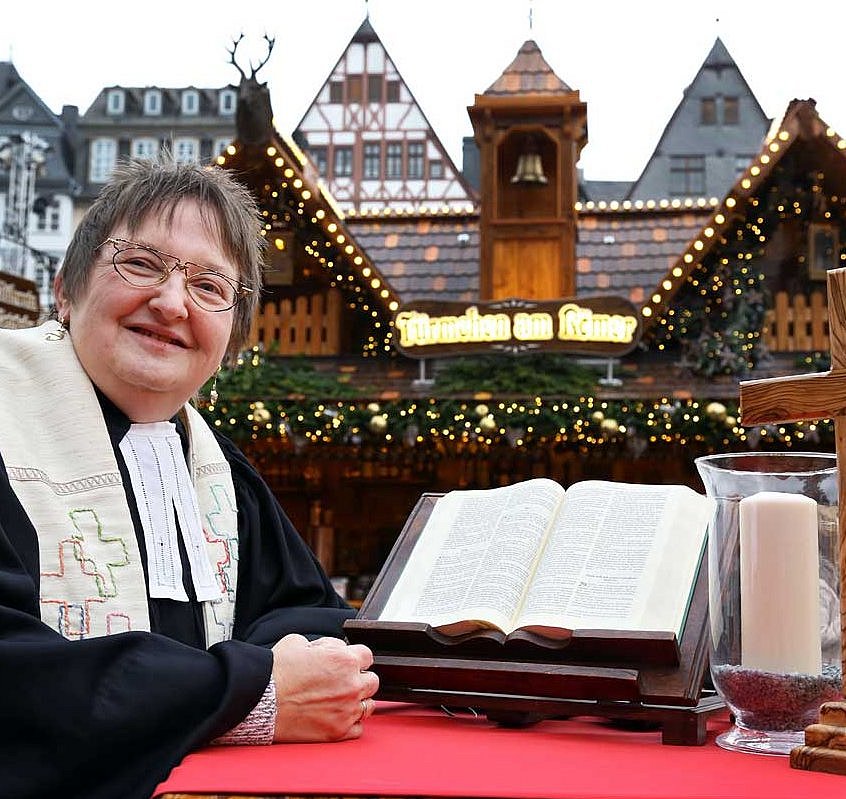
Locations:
{"points": [[227, 102], [219, 146], [48, 222], [102, 159], [153, 102], [115, 101], [144, 148], [186, 150], [190, 102]]}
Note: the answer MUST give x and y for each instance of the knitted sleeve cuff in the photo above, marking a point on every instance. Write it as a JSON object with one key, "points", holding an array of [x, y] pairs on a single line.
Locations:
{"points": [[259, 725]]}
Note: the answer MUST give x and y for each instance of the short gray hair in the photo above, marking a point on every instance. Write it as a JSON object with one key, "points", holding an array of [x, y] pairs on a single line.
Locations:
{"points": [[141, 187]]}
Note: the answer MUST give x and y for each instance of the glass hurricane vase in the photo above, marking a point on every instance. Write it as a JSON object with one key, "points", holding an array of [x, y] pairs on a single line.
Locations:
{"points": [[774, 606]]}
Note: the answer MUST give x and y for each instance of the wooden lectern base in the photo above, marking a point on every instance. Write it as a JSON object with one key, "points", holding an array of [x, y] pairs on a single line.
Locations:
{"points": [[825, 743], [680, 726]]}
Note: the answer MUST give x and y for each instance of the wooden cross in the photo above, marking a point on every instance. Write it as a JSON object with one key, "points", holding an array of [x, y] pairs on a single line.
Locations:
{"points": [[803, 398]]}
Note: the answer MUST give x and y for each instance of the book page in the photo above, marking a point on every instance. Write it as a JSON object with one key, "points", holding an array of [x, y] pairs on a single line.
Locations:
{"points": [[620, 556], [475, 555]]}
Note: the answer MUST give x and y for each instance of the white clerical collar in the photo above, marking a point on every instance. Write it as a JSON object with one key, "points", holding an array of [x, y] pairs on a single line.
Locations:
{"points": [[160, 480]]}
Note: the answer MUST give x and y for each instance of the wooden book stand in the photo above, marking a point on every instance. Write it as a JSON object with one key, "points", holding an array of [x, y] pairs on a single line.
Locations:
{"points": [[636, 678]]}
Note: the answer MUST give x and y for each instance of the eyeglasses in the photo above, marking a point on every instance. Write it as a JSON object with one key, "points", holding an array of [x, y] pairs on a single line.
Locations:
{"points": [[144, 267]]}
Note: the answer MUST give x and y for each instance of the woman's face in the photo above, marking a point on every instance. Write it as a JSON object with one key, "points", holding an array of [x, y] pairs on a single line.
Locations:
{"points": [[149, 349]]}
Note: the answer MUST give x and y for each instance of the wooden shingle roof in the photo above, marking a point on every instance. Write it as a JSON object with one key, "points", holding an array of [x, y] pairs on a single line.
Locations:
{"points": [[426, 258], [625, 253], [528, 73]]}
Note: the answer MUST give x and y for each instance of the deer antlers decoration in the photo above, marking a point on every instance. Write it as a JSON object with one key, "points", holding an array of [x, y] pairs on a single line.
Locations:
{"points": [[253, 114], [254, 70]]}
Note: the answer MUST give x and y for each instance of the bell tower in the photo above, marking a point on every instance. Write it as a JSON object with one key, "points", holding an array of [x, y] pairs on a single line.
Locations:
{"points": [[530, 128]]}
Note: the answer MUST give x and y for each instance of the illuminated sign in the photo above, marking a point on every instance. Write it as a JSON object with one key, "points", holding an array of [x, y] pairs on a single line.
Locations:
{"points": [[585, 326]]}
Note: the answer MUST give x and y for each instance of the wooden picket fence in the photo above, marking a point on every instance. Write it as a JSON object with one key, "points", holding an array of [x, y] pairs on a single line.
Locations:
{"points": [[797, 324], [306, 325]]}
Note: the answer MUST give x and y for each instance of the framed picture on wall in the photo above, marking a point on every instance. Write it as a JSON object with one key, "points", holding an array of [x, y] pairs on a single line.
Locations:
{"points": [[823, 249]]}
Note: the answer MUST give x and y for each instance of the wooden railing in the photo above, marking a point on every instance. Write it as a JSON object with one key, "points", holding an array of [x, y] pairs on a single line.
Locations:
{"points": [[305, 326], [796, 324]]}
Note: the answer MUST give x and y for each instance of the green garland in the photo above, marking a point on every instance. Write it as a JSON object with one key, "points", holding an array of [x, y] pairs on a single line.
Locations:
{"points": [[583, 421], [267, 398]]}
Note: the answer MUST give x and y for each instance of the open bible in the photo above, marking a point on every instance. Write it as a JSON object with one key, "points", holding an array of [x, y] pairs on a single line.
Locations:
{"points": [[535, 557]]}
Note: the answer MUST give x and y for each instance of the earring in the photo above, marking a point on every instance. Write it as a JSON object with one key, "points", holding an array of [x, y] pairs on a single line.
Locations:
{"points": [[213, 395], [58, 334]]}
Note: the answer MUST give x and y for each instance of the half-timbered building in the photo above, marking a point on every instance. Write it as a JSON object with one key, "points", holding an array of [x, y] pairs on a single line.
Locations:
{"points": [[371, 142]]}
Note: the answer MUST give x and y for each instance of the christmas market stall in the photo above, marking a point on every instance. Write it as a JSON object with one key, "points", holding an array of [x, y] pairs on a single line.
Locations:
{"points": [[350, 427]]}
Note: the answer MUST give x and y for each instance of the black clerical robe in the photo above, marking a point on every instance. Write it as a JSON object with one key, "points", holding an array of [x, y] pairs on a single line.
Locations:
{"points": [[107, 718]]}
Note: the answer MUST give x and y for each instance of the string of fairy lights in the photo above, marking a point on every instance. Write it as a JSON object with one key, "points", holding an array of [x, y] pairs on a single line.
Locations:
{"points": [[721, 223], [288, 202], [716, 317]]}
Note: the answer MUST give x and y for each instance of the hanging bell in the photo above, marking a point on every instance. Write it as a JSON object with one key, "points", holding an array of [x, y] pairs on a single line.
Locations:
{"points": [[529, 168]]}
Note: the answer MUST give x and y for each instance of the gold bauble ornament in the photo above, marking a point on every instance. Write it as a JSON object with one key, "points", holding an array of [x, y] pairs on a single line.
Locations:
{"points": [[378, 424], [716, 410], [609, 426], [482, 410], [487, 423]]}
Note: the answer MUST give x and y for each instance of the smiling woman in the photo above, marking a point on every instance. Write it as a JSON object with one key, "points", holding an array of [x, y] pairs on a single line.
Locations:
{"points": [[148, 348], [154, 596]]}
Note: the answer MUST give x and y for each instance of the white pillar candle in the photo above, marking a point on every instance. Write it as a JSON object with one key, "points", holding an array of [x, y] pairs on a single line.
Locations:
{"points": [[779, 584]]}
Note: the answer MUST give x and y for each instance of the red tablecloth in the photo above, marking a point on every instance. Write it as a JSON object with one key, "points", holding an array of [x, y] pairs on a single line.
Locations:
{"points": [[413, 751]]}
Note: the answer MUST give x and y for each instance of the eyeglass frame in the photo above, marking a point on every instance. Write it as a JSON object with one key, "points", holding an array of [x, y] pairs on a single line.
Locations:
{"points": [[241, 289]]}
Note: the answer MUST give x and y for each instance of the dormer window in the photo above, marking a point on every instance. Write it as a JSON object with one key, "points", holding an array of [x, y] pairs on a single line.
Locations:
{"points": [[190, 102], [144, 148], [152, 102], [228, 99], [115, 101], [186, 150]]}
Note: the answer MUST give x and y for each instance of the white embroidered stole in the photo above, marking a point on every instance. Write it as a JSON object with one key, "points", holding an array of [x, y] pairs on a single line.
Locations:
{"points": [[92, 579]]}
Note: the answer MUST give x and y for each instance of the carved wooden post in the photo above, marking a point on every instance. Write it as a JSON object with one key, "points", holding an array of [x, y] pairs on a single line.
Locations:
{"points": [[837, 347]]}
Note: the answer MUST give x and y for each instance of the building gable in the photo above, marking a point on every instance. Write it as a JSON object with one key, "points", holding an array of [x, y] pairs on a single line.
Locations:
{"points": [[371, 141], [21, 106], [711, 136]]}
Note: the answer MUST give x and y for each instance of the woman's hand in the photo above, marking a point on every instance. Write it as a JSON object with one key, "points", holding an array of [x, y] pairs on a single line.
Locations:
{"points": [[323, 689]]}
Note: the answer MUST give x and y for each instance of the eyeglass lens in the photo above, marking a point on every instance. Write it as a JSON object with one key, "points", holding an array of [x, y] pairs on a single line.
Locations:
{"points": [[142, 267]]}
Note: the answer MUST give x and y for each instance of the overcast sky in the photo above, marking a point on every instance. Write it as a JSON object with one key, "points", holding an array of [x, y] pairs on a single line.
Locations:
{"points": [[630, 59]]}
